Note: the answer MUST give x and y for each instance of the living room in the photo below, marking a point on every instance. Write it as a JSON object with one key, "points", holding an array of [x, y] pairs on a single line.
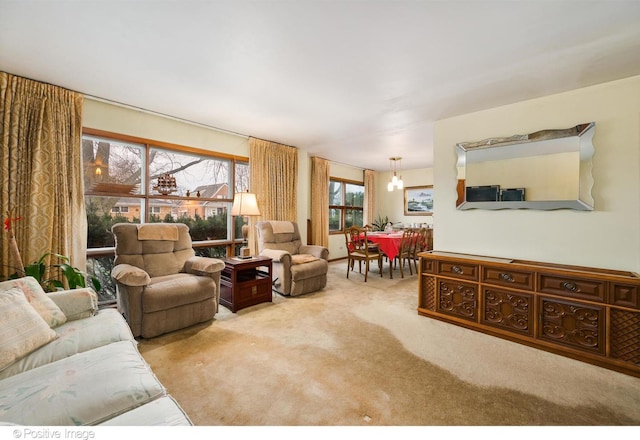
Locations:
{"points": [[606, 237]]}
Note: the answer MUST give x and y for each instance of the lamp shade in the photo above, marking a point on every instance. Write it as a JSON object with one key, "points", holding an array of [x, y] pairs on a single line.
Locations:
{"points": [[245, 204]]}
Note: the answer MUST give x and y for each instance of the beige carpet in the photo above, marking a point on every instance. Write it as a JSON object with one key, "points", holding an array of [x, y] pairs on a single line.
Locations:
{"points": [[357, 354]]}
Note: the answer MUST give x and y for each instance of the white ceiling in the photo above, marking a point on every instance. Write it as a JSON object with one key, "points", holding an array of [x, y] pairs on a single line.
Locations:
{"points": [[351, 81]]}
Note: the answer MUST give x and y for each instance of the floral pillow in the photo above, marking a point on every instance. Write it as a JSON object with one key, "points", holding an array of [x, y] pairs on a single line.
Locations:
{"points": [[23, 330], [38, 299]]}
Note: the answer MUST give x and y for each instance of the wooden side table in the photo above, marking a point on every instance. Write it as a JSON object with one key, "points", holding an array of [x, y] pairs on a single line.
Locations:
{"points": [[245, 282]]}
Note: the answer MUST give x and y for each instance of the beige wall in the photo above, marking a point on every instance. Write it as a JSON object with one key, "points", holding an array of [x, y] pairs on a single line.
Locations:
{"points": [[391, 204], [607, 237]]}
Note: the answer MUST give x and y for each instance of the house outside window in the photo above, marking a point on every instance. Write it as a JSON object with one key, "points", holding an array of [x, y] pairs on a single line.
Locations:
{"points": [[346, 201]]}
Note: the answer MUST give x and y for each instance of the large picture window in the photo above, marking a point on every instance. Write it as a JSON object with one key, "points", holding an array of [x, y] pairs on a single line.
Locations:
{"points": [[346, 201], [138, 181]]}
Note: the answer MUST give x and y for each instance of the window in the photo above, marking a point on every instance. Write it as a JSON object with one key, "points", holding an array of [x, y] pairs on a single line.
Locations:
{"points": [[346, 201], [138, 181]]}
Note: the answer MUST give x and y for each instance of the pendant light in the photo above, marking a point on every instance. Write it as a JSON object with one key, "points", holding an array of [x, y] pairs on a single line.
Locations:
{"points": [[394, 181]]}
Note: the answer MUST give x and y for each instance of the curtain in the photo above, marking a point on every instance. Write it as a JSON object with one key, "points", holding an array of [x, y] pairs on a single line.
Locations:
{"points": [[41, 171], [369, 197], [320, 175], [274, 181]]}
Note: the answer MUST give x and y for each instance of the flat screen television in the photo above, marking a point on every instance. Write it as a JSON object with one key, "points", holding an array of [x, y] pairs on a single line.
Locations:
{"points": [[512, 195], [484, 193]]}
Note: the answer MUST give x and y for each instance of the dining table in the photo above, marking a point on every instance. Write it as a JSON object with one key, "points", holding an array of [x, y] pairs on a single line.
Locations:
{"points": [[389, 243]]}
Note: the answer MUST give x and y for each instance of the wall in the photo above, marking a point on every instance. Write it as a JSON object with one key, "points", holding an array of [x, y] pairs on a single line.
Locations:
{"points": [[391, 204], [133, 122], [607, 237]]}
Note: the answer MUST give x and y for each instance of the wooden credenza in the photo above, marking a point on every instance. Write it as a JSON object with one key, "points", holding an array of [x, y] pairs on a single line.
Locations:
{"points": [[588, 314]]}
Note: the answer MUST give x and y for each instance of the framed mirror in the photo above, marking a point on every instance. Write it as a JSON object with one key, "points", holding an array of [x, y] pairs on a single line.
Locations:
{"points": [[548, 169]]}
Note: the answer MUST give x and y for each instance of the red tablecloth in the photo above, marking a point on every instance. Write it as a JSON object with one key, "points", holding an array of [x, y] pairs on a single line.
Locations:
{"points": [[389, 243]]}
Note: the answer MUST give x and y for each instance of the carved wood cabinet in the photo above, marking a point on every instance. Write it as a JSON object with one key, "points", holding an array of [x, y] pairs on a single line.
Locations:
{"points": [[588, 314]]}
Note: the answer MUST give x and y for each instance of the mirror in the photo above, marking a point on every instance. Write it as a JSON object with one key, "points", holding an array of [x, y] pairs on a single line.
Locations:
{"points": [[548, 169]]}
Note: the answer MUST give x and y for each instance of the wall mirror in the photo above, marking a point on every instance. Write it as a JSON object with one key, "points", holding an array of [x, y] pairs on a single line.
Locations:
{"points": [[548, 169]]}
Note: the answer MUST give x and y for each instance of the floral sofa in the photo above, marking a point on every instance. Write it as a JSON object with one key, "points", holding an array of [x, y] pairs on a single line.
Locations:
{"points": [[64, 362]]}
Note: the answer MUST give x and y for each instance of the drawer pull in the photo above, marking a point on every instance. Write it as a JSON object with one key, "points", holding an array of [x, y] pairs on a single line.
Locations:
{"points": [[571, 287], [457, 269], [506, 277]]}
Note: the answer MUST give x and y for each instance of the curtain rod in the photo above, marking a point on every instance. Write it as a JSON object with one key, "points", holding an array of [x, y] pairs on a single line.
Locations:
{"points": [[151, 112], [345, 164]]}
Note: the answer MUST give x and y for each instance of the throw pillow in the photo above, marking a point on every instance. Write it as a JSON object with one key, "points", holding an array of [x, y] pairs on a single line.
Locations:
{"points": [[38, 299], [23, 330]]}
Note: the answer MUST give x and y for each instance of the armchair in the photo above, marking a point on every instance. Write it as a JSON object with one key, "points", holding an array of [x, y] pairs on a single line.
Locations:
{"points": [[161, 285], [297, 268]]}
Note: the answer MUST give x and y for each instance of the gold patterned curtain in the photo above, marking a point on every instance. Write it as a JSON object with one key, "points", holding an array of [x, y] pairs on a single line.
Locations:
{"points": [[41, 171], [320, 175], [274, 180], [369, 197]]}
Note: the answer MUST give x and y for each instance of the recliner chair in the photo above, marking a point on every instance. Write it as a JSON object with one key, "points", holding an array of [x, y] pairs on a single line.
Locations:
{"points": [[161, 285], [297, 268]]}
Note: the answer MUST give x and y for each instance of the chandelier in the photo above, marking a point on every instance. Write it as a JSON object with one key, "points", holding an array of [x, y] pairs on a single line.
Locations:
{"points": [[166, 184], [394, 181]]}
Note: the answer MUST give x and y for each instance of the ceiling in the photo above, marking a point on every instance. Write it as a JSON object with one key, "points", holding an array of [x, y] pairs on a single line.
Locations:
{"points": [[355, 82]]}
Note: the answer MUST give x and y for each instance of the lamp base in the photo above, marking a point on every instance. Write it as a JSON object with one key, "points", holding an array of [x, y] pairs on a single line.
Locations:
{"points": [[245, 252]]}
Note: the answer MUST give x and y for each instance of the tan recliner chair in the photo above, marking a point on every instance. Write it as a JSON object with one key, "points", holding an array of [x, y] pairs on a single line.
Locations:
{"points": [[297, 268], [161, 285]]}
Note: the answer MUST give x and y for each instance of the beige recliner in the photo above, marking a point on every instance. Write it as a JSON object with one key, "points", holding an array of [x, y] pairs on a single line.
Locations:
{"points": [[297, 268], [161, 285]]}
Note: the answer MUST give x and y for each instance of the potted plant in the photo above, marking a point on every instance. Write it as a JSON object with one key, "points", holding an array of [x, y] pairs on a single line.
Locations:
{"points": [[380, 223], [42, 272]]}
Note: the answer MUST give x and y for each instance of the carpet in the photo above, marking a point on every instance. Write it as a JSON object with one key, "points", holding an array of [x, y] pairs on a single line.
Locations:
{"points": [[358, 354]]}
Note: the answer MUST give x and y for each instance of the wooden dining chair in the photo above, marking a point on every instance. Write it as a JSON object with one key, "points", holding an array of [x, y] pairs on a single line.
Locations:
{"points": [[423, 243], [375, 247], [360, 250], [407, 250]]}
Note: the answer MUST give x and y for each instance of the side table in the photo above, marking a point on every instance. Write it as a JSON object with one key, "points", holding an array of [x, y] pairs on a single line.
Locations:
{"points": [[245, 282]]}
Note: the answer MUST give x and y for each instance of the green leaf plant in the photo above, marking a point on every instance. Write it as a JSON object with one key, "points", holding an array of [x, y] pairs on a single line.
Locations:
{"points": [[46, 274], [380, 223]]}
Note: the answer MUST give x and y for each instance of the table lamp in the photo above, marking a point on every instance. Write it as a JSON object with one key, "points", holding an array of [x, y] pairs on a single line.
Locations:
{"points": [[244, 204]]}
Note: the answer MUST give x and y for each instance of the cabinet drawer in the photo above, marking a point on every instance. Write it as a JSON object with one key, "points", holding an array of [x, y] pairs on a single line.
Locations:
{"points": [[463, 271], [457, 299], [252, 290], [508, 278], [624, 295], [593, 290], [427, 265]]}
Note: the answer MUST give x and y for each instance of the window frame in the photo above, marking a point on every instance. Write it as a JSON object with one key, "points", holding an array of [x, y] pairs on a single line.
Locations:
{"points": [[343, 208], [146, 197]]}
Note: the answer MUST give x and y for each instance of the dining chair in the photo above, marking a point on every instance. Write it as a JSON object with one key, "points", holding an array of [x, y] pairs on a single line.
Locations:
{"points": [[372, 246], [407, 250], [423, 243], [359, 249]]}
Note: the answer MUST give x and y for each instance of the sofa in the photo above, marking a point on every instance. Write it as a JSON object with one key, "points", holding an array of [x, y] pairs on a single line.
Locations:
{"points": [[63, 362]]}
